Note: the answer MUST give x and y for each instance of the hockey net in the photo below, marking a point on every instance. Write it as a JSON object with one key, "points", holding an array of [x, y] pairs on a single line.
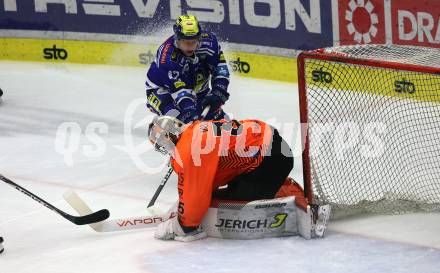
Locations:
{"points": [[373, 128]]}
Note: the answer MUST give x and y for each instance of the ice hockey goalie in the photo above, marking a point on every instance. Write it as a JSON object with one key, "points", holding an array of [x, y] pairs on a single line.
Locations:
{"points": [[233, 182]]}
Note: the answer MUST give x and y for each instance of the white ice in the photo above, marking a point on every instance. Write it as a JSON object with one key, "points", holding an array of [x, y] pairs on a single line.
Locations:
{"points": [[108, 174]]}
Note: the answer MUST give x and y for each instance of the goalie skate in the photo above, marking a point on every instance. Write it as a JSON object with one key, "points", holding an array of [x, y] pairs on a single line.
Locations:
{"points": [[320, 216]]}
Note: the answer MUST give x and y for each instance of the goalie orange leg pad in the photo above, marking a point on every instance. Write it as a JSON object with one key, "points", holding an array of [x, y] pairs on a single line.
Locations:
{"points": [[292, 188]]}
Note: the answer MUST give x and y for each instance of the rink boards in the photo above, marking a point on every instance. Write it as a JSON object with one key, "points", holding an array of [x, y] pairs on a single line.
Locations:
{"points": [[136, 54]]}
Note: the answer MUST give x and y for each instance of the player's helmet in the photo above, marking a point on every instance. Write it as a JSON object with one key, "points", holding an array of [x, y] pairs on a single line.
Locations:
{"points": [[164, 132], [187, 28]]}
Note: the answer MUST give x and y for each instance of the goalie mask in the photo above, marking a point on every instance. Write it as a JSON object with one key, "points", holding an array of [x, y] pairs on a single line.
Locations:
{"points": [[164, 132]]}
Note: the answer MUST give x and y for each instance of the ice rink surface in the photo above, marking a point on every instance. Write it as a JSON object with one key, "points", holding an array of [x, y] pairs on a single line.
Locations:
{"points": [[84, 128]]}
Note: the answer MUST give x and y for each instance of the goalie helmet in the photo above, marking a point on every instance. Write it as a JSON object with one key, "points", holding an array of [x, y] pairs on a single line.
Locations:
{"points": [[187, 28], [164, 132]]}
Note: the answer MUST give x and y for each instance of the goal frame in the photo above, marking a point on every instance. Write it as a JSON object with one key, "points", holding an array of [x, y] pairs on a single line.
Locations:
{"points": [[339, 57]]}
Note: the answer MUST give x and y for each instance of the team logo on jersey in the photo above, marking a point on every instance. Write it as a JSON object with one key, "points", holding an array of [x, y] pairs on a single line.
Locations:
{"points": [[361, 21]]}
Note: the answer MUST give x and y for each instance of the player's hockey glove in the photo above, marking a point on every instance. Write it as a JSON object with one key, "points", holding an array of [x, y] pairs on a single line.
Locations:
{"points": [[172, 230], [188, 115], [215, 99]]}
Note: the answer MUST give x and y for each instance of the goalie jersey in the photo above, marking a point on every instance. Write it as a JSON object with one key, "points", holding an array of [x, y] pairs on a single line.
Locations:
{"points": [[210, 154]]}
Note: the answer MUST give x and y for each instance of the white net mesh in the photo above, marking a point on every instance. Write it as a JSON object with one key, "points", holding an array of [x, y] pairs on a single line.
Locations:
{"points": [[374, 132], [422, 56]]}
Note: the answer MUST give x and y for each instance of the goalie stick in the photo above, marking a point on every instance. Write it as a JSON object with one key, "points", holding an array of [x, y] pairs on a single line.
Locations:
{"points": [[161, 186], [123, 224], [91, 217]]}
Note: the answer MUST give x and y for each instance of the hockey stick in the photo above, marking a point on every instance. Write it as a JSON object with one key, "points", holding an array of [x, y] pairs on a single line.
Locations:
{"points": [[170, 170], [160, 188], [122, 224], [85, 219]]}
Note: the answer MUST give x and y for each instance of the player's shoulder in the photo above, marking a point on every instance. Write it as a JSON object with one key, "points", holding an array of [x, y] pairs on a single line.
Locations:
{"points": [[208, 36], [208, 42], [168, 56]]}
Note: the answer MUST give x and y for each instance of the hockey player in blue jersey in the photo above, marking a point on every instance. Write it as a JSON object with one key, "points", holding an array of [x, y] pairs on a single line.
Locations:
{"points": [[188, 74]]}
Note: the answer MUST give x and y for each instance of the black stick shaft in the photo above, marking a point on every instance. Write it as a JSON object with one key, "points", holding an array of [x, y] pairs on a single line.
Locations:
{"points": [[160, 188], [78, 220]]}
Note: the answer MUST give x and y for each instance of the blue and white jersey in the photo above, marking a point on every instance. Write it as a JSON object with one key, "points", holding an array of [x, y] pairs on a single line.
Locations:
{"points": [[177, 82]]}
